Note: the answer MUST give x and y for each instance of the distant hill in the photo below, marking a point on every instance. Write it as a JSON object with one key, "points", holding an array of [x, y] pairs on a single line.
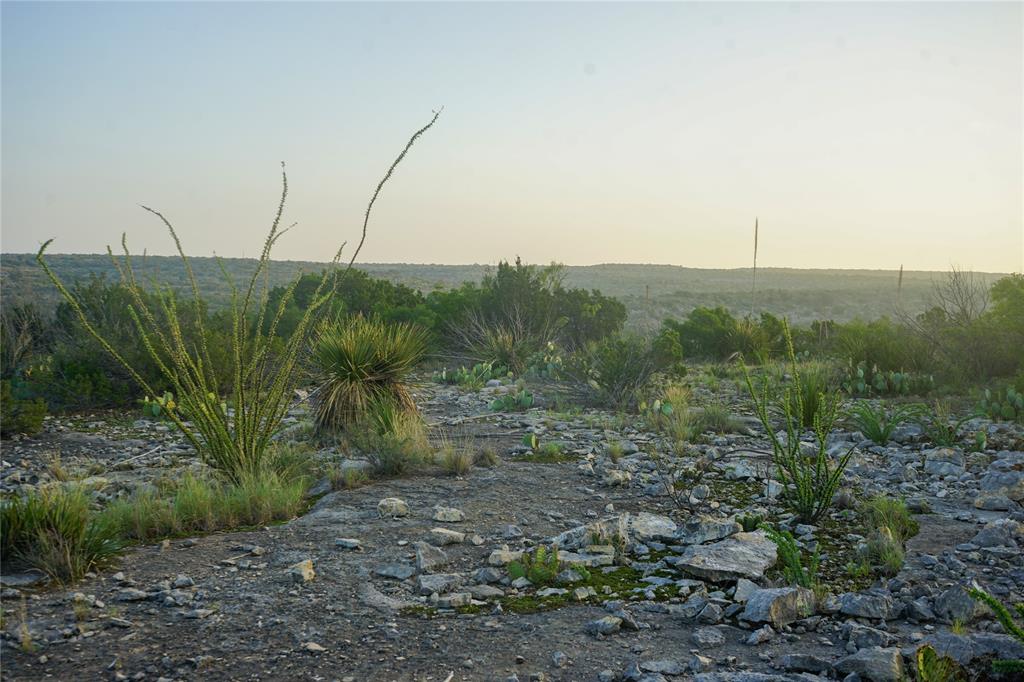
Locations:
{"points": [[650, 292]]}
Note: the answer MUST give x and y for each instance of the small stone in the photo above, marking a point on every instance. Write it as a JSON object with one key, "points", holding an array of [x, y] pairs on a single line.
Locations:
{"points": [[349, 543], [132, 594], [866, 605], [444, 536], [392, 507], [428, 556], [875, 664], [503, 557], [302, 572], [395, 571], [761, 636], [559, 659], [313, 647], [707, 638], [448, 514], [604, 626], [181, 581]]}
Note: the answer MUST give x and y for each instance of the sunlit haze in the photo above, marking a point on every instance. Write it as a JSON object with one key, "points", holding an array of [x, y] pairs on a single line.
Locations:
{"points": [[860, 135]]}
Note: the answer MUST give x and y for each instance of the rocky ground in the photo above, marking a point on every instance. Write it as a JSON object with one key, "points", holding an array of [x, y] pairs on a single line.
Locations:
{"points": [[407, 579]]}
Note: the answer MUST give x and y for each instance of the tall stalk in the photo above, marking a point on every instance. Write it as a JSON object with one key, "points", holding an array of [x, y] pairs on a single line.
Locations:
{"points": [[753, 283], [261, 377]]}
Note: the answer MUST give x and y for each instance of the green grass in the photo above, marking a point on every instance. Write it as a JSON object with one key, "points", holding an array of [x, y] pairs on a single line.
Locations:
{"points": [[55, 531]]}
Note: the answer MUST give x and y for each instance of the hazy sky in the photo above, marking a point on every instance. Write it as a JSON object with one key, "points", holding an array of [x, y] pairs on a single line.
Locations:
{"points": [[862, 134]]}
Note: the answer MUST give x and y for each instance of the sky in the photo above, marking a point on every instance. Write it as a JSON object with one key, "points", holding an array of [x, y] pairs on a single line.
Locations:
{"points": [[860, 135]]}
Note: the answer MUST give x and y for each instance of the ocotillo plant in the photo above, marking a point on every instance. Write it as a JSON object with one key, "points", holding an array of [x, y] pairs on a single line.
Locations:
{"points": [[232, 441]]}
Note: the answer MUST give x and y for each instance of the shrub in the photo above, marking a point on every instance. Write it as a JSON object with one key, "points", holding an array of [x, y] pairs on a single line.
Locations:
{"points": [[618, 369], [54, 531], [862, 380], [672, 415], [203, 503], [364, 362], [814, 479], [19, 415], [875, 424], [262, 371], [715, 417], [931, 667], [474, 378], [457, 454]]}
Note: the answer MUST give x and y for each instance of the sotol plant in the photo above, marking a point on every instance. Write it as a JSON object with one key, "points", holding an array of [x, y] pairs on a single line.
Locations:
{"points": [[262, 377], [364, 362]]}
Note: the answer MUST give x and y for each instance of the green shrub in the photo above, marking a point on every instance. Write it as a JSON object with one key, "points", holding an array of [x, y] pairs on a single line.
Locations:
{"points": [[54, 531], [19, 415], [886, 512], [474, 378], [814, 479], [931, 667], [617, 369], [864, 380], [715, 417], [202, 504], [810, 386], [364, 362]]}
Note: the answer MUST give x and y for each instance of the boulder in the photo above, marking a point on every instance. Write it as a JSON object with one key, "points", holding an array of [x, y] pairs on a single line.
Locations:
{"points": [[944, 462], [1008, 484], [779, 606], [874, 664], [874, 605], [744, 555], [701, 529]]}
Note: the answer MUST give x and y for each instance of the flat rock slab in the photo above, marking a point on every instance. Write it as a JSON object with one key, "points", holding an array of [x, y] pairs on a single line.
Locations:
{"points": [[744, 555]]}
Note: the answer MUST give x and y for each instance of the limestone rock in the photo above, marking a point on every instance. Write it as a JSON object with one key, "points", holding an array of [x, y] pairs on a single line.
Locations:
{"points": [[744, 555]]}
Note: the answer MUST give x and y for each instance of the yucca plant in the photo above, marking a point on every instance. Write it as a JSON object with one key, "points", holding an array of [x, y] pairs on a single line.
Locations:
{"points": [[941, 427], [364, 362], [876, 424], [262, 380], [811, 480]]}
